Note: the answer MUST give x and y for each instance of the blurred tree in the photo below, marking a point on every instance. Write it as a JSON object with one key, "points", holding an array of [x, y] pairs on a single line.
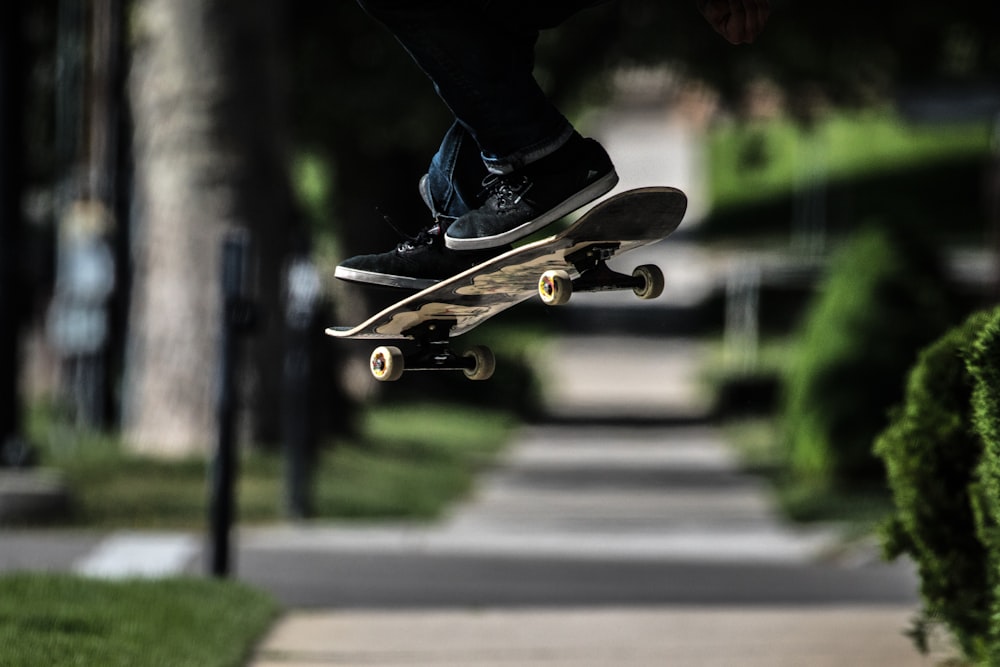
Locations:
{"points": [[857, 50], [209, 150]]}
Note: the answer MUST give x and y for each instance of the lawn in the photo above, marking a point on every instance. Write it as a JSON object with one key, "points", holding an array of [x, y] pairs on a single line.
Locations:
{"points": [[55, 620], [759, 161], [406, 462]]}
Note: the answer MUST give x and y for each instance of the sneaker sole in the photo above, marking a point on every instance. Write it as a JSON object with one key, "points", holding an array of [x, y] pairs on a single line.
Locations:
{"points": [[383, 279], [582, 198]]}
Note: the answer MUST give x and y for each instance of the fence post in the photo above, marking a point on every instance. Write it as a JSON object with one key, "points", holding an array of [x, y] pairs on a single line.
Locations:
{"points": [[237, 320]]}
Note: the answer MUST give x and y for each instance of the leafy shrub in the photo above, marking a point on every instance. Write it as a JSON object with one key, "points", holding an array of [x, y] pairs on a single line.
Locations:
{"points": [[932, 453], [882, 302], [984, 366]]}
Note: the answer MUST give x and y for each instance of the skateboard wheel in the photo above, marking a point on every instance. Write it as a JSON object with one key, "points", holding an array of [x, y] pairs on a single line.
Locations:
{"points": [[485, 363], [555, 287], [652, 281], [387, 363]]}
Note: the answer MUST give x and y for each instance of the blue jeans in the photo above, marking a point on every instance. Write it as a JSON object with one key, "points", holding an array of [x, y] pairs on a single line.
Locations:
{"points": [[480, 54]]}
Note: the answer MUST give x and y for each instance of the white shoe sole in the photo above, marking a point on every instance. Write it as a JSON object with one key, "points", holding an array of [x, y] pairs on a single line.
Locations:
{"points": [[383, 279]]}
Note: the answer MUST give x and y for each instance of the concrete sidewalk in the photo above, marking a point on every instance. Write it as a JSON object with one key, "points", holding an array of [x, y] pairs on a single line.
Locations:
{"points": [[612, 637], [707, 573]]}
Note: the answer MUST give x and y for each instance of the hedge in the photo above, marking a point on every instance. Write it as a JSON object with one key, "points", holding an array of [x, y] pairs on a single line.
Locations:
{"points": [[942, 457], [984, 366], [882, 301]]}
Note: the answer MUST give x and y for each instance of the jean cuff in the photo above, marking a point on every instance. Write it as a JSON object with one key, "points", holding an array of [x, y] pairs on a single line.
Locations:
{"points": [[519, 159]]}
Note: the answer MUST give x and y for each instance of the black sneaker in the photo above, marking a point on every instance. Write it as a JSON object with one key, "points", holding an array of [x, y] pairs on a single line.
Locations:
{"points": [[417, 263], [521, 203]]}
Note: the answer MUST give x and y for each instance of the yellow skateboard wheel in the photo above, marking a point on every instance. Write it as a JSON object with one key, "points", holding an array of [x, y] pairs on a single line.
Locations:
{"points": [[555, 287], [387, 363]]}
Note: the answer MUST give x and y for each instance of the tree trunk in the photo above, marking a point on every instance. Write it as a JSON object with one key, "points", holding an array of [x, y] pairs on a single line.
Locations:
{"points": [[209, 157]]}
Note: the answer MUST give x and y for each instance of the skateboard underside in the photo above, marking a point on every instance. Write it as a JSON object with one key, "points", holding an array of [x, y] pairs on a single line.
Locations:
{"points": [[553, 268]]}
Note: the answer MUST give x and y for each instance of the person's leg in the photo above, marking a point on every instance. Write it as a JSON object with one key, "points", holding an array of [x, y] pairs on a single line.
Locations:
{"points": [[481, 63], [480, 56], [453, 184], [450, 189]]}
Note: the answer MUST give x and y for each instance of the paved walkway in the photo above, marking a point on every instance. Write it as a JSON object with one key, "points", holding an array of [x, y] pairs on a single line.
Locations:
{"points": [[669, 496], [612, 637]]}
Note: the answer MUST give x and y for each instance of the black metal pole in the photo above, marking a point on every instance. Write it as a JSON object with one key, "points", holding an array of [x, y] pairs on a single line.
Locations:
{"points": [[12, 290], [236, 320]]}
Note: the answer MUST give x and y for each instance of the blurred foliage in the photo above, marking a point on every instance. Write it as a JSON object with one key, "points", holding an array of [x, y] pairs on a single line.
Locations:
{"points": [[776, 180], [883, 300], [857, 51], [407, 461], [945, 515], [754, 162]]}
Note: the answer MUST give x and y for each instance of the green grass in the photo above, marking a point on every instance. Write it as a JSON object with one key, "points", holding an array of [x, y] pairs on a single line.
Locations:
{"points": [[417, 461], [759, 445], [55, 620], [407, 462], [751, 163]]}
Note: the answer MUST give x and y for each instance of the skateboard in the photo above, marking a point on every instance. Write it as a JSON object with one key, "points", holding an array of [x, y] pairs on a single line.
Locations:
{"points": [[574, 260]]}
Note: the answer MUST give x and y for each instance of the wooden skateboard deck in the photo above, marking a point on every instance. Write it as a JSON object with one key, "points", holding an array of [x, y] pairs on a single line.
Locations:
{"points": [[573, 259]]}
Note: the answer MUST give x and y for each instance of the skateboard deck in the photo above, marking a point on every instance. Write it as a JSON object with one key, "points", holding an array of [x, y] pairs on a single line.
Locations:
{"points": [[572, 260]]}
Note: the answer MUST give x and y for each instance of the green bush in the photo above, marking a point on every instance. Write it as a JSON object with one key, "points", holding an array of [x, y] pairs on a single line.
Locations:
{"points": [[932, 453], [883, 300], [984, 366]]}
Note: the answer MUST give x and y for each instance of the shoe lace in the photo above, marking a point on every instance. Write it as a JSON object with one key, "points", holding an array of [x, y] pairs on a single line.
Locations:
{"points": [[426, 236], [506, 189]]}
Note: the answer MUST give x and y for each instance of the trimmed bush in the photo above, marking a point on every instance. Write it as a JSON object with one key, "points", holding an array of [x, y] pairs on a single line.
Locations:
{"points": [[883, 301], [931, 454], [984, 366]]}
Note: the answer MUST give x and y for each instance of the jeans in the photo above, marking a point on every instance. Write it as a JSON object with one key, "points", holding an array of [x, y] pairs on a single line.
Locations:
{"points": [[480, 54]]}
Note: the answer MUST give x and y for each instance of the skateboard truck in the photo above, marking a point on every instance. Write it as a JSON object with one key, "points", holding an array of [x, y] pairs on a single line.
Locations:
{"points": [[433, 353], [591, 263]]}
